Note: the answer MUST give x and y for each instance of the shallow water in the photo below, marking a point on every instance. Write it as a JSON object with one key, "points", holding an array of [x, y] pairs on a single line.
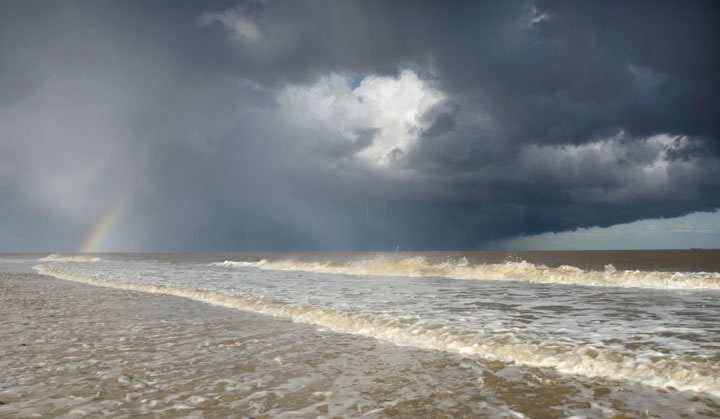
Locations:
{"points": [[406, 335]]}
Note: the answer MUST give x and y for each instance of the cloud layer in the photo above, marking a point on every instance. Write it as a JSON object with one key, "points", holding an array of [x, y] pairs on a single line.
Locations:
{"points": [[283, 125]]}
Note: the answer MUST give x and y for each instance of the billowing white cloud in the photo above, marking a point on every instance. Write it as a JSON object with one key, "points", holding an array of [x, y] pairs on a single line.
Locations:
{"points": [[389, 106], [618, 169]]}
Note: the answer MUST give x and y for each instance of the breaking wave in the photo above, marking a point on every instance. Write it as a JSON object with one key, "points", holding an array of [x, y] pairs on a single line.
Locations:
{"points": [[508, 271], [240, 264], [694, 374], [69, 258]]}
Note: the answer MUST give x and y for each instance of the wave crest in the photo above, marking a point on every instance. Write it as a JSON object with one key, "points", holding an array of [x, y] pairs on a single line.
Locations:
{"points": [[509, 271], [69, 258], [240, 264]]}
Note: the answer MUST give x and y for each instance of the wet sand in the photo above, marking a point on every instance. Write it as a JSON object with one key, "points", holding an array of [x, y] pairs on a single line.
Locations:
{"points": [[73, 350]]}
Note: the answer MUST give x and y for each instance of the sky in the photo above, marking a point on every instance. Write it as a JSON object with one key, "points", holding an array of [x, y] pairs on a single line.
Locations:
{"points": [[313, 125]]}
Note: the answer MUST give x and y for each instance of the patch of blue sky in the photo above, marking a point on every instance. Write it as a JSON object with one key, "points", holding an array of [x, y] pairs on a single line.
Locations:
{"points": [[696, 230], [354, 80]]}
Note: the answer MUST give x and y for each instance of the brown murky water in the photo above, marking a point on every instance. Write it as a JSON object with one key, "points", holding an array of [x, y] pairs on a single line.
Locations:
{"points": [[312, 350]]}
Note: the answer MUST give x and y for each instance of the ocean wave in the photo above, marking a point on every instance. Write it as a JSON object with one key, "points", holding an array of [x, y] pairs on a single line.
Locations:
{"points": [[509, 271], [240, 264], [657, 370], [69, 258]]}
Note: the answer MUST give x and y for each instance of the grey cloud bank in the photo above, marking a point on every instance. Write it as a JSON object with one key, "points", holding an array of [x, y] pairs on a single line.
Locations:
{"points": [[320, 125]]}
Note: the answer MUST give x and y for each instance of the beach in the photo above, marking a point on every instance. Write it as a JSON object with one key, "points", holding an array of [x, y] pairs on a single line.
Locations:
{"points": [[76, 350], [72, 349]]}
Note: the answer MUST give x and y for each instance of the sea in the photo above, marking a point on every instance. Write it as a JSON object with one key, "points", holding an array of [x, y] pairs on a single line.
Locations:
{"points": [[415, 334]]}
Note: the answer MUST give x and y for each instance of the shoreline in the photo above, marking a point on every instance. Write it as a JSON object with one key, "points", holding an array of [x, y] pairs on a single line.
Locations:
{"points": [[73, 349], [77, 350]]}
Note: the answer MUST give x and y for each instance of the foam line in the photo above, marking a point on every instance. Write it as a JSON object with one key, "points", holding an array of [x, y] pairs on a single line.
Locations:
{"points": [[694, 375], [512, 271]]}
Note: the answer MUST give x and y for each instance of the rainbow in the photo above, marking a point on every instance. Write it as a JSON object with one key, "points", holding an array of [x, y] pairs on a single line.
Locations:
{"points": [[100, 231]]}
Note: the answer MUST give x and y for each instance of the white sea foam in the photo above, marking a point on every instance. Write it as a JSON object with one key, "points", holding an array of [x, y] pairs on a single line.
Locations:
{"points": [[69, 258], [240, 264], [512, 271], [696, 374]]}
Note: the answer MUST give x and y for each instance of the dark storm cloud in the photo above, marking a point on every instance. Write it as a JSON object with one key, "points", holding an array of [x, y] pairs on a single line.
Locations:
{"points": [[211, 117]]}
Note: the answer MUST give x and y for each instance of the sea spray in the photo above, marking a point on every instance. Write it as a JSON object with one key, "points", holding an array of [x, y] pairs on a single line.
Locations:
{"points": [[509, 271]]}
